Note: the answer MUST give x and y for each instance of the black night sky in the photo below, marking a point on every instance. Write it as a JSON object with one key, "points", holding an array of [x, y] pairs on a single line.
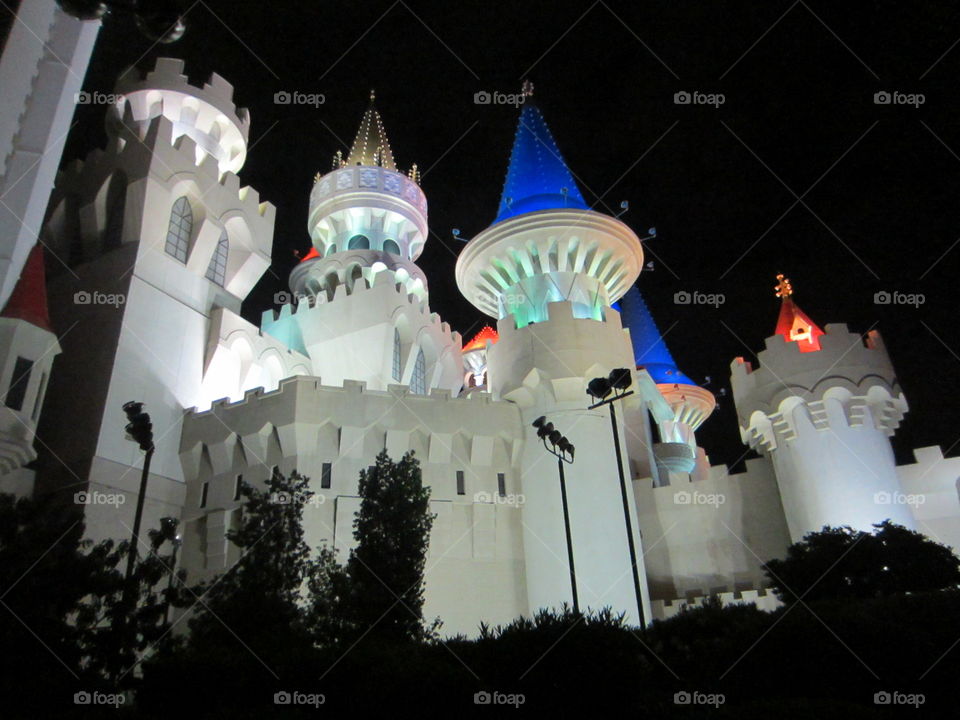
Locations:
{"points": [[799, 171]]}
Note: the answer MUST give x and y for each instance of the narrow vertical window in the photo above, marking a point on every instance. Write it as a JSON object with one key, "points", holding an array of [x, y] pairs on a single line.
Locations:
{"points": [[179, 229], [18, 383], [237, 487], [461, 483], [325, 475], [396, 354], [217, 270], [38, 402], [501, 484], [418, 383], [203, 494]]}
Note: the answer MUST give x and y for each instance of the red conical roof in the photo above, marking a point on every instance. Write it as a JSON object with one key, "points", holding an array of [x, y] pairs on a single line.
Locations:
{"points": [[313, 253], [480, 339], [794, 324], [29, 298]]}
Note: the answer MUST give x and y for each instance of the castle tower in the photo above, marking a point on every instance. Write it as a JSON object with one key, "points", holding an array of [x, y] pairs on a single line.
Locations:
{"points": [[161, 236], [822, 405], [548, 269], [689, 403], [28, 347], [362, 310]]}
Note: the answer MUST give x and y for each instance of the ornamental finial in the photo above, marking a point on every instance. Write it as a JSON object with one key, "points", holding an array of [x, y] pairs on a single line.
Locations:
{"points": [[783, 287], [527, 88], [373, 94]]}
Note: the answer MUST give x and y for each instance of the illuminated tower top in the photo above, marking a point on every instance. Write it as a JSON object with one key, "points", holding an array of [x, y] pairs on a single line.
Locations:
{"points": [[537, 177], [794, 324], [546, 245], [371, 146], [365, 217]]}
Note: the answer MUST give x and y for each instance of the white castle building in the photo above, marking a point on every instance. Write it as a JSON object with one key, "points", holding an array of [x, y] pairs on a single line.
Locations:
{"points": [[165, 245]]}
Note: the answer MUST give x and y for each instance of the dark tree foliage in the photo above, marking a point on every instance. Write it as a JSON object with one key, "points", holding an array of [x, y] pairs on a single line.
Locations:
{"points": [[257, 602], [61, 598], [386, 569], [254, 629], [117, 628], [844, 564]]}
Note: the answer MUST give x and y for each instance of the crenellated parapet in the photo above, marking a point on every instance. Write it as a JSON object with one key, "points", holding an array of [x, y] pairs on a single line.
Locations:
{"points": [[558, 356], [240, 357], [304, 417], [763, 599], [316, 278], [206, 114], [144, 178], [853, 369], [876, 408], [370, 330]]}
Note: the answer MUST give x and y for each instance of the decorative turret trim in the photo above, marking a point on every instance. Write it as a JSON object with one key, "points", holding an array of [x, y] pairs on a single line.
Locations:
{"points": [[876, 408], [371, 146], [691, 404], [522, 264]]}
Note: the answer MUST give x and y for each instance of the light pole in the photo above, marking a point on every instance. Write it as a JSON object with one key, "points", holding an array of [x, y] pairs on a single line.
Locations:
{"points": [[599, 389], [560, 448], [139, 430]]}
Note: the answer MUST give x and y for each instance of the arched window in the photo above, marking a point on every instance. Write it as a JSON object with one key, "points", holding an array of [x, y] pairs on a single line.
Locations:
{"points": [[396, 354], [418, 383], [359, 242], [179, 229], [217, 270], [390, 246]]}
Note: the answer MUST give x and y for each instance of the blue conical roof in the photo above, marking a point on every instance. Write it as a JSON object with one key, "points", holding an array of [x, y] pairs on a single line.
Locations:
{"points": [[649, 349], [538, 178]]}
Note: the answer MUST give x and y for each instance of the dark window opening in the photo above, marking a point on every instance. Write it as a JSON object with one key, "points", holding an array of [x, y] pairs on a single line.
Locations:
{"points": [[18, 383]]}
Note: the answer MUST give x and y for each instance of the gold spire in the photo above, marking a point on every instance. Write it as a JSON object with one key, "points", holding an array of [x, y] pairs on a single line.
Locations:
{"points": [[783, 287], [371, 146]]}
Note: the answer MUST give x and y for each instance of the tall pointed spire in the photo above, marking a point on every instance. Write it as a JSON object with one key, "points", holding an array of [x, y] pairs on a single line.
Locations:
{"points": [[793, 323], [371, 146], [649, 349], [29, 298], [537, 177]]}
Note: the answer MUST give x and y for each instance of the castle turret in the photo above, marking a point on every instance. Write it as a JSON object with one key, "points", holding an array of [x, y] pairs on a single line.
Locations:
{"points": [[689, 403], [362, 310], [822, 405], [548, 269], [161, 238], [28, 347]]}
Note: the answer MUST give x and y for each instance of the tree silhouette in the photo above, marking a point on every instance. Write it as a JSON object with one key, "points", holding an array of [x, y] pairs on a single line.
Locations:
{"points": [[386, 569], [60, 598], [839, 563]]}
